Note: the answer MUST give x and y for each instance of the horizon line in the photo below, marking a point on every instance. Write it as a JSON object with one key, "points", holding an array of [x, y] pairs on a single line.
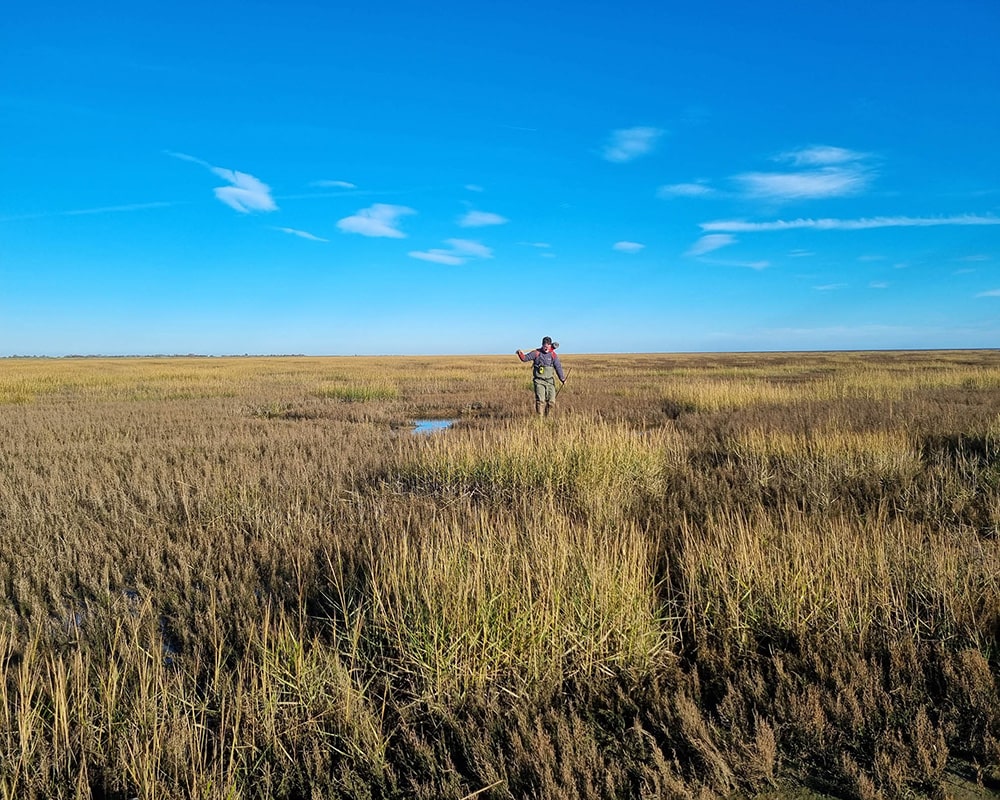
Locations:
{"points": [[805, 351]]}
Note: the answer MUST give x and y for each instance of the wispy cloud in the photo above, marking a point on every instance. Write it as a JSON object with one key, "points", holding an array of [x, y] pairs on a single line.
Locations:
{"points": [[726, 262], [628, 247], [186, 157], [342, 192], [536, 244], [333, 185], [459, 251], [628, 144], [685, 190], [469, 247], [878, 285], [821, 155], [706, 244], [116, 209], [245, 193], [473, 187], [829, 172], [809, 185], [716, 241], [101, 210], [302, 234], [437, 256], [379, 220], [989, 293], [742, 226], [830, 287], [480, 219]]}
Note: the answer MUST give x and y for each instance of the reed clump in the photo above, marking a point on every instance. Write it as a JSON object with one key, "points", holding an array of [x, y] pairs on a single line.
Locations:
{"points": [[706, 574]]}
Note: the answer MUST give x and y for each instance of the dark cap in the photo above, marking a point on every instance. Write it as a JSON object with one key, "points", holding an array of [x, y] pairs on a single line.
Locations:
{"points": [[546, 340]]}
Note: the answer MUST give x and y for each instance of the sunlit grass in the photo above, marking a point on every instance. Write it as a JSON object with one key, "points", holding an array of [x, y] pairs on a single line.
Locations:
{"points": [[357, 393], [723, 395], [244, 577], [880, 453], [859, 580], [477, 609], [604, 468]]}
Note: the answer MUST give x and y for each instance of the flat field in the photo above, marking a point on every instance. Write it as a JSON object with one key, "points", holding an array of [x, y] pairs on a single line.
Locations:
{"points": [[703, 575]]}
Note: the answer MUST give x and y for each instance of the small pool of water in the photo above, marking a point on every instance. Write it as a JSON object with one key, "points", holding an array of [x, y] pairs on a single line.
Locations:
{"points": [[422, 427]]}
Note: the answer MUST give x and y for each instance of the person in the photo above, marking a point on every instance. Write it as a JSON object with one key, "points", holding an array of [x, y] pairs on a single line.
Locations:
{"points": [[546, 368]]}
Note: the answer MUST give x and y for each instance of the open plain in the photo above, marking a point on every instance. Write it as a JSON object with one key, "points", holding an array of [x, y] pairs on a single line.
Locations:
{"points": [[704, 575]]}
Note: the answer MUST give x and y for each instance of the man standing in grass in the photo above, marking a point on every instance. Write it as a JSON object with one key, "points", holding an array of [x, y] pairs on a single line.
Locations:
{"points": [[546, 368]]}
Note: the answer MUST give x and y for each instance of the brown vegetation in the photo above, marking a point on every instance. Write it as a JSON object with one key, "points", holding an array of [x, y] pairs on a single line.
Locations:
{"points": [[244, 578]]}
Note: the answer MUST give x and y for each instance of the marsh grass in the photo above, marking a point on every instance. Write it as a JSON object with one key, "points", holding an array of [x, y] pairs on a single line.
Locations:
{"points": [[236, 578], [485, 611], [358, 393], [596, 467]]}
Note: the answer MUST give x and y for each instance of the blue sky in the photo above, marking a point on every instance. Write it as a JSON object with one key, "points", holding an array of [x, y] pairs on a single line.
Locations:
{"points": [[325, 178]]}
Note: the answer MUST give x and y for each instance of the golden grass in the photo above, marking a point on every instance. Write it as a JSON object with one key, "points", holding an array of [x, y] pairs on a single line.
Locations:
{"points": [[479, 609], [245, 578], [860, 580]]}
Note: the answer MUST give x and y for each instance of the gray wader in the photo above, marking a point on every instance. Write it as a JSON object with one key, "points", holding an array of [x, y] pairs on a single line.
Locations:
{"points": [[545, 389]]}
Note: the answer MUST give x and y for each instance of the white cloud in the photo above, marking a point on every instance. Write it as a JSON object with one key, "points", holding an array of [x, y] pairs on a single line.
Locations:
{"points": [[380, 220], [84, 211], [473, 187], [742, 226], [812, 185], [246, 194], [115, 209], [333, 185], [685, 190], [718, 262], [801, 253], [470, 248], [460, 251], [821, 155], [706, 244], [829, 172], [536, 244], [631, 143], [438, 257], [628, 247], [479, 219], [990, 293], [878, 285], [186, 157], [302, 234], [830, 287]]}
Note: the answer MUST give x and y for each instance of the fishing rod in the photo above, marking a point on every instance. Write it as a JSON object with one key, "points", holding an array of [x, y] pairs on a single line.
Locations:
{"points": [[562, 384]]}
